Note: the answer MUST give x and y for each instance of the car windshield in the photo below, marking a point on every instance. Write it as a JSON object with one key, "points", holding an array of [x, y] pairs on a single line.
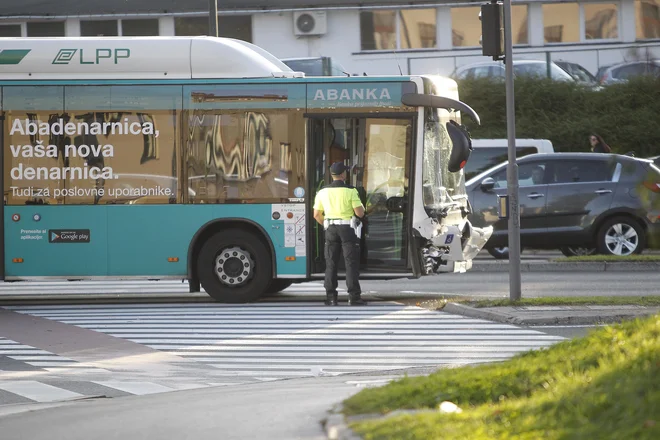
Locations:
{"points": [[479, 177], [311, 67], [540, 69], [440, 187]]}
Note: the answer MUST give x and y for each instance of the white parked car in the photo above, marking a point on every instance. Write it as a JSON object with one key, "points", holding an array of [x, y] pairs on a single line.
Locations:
{"points": [[496, 69]]}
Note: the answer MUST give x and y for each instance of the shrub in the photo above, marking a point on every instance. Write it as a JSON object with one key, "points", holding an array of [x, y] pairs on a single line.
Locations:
{"points": [[567, 113]]}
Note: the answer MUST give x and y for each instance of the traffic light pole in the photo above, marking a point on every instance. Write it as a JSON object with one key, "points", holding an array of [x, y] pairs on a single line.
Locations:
{"points": [[512, 167], [213, 18]]}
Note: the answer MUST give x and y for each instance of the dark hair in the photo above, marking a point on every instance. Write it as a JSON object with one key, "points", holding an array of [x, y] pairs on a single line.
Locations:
{"points": [[606, 148]]}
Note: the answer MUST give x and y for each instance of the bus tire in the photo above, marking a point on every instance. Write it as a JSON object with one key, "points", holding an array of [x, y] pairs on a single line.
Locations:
{"points": [[276, 286], [234, 266]]}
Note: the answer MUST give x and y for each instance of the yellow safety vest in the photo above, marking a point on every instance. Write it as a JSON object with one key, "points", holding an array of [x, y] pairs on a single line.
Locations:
{"points": [[337, 201]]}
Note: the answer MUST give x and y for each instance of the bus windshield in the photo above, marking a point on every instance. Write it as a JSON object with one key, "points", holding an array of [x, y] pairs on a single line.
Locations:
{"points": [[441, 187]]}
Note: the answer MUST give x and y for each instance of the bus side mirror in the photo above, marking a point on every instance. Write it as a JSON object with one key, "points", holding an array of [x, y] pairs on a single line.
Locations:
{"points": [[395, 204], [462, 146], [487, 184]]}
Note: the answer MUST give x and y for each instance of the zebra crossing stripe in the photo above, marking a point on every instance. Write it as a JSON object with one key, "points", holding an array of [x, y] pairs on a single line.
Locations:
{"points": [[275, 340], [43, 359], [137, 388], [37, 391]]}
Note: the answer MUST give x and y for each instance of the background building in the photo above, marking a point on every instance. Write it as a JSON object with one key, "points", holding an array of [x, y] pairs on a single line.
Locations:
{"points": [[386, 36]]}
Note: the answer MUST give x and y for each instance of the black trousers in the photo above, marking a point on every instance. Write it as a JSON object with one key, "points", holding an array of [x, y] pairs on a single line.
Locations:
{"points": [[338, 239]]}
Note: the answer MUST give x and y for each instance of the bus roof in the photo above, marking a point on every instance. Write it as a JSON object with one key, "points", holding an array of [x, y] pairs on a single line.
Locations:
{"points": [[75, 58]]}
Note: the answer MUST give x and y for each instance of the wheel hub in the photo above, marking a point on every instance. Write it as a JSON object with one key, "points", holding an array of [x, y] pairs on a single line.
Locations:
{"points": [[621, 239], [234, 266]]}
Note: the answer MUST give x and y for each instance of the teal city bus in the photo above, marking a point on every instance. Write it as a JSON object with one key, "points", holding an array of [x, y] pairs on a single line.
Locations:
{"points": [[198, 158]]}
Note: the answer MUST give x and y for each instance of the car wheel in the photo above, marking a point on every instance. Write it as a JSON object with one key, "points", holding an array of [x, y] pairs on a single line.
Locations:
{"points": [[577, 251], [234, 266], [621, 236], [500, 253]]}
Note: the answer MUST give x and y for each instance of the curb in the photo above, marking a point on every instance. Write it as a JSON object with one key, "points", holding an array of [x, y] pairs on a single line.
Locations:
{"points": [[569, 267], [472, 312], [460, 309], [336, 428]]}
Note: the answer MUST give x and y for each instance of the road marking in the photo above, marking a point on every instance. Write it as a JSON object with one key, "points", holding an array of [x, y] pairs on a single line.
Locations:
{"points": [[270, 341], [38, 391], [137, 388]]}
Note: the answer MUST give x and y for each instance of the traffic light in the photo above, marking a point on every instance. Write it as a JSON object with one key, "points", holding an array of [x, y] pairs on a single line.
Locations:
{"points": [[492, 29]]}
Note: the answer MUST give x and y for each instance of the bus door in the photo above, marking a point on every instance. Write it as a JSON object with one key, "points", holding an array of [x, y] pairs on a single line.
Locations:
{"points": [[379, 153]]}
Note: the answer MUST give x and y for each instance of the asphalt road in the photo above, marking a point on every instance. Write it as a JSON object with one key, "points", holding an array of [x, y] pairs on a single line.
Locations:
{"points": [[534, 284], [286, 410]]}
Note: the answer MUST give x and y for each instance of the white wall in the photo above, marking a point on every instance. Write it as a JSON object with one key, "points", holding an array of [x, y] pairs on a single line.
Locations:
{"points": [[275, 33]]}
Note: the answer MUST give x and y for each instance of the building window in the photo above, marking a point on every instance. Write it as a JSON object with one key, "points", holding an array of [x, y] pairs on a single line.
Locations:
{"points": [[98, 28], [647, 13], [139, 27], [520, 24], [561, 23], [600, 21], [416, 29], [10, 30], [232, 26], [466, 26], [378, 30], [45, 29]]}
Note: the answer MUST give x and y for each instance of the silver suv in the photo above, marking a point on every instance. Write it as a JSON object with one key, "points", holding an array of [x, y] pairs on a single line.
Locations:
{"points": [[622, 72], [495, 69]]}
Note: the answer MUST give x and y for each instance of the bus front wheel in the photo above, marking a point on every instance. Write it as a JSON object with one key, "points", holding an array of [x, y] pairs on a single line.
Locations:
{"points": [[234, 266]]}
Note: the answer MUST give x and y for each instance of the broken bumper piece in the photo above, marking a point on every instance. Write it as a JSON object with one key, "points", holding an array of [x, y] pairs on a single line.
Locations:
{"points": [[453, 248]]}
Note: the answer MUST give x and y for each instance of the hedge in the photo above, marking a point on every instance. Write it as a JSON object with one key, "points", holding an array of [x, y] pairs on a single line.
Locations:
{"points": [[626, 115]]}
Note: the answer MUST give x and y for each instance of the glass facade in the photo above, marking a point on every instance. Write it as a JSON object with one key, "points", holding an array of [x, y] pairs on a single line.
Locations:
{"points": [[647, 19], [600, 21], [561, 23], [466, 26]]}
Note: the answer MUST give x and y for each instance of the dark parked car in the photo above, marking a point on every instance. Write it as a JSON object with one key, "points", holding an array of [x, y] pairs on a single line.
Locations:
{"points": [[578, 72], [622, 72], [606, 202]]}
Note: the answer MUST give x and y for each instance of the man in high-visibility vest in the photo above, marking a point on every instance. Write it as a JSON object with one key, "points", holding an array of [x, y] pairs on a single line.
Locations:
{"points": [[338, 208]]}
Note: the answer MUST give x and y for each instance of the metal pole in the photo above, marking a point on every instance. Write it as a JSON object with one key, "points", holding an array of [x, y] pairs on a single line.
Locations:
{"points": [[213, 18], [512, 167]]}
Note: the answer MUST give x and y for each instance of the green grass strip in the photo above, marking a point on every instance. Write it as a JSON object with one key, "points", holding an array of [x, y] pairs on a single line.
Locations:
{"points": [[609, 258], [648, 301], [602, 386]]}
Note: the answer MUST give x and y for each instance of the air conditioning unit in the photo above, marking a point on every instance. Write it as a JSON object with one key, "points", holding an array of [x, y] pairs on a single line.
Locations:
{"points": [[310, 23]]}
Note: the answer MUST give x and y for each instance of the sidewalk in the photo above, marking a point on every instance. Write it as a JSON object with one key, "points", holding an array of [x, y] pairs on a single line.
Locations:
{"points": [[544, 265], [548, 315]]}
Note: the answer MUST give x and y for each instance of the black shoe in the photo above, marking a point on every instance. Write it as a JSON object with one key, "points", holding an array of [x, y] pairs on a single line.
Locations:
{"points": [[356, 302], [331, 300]]}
